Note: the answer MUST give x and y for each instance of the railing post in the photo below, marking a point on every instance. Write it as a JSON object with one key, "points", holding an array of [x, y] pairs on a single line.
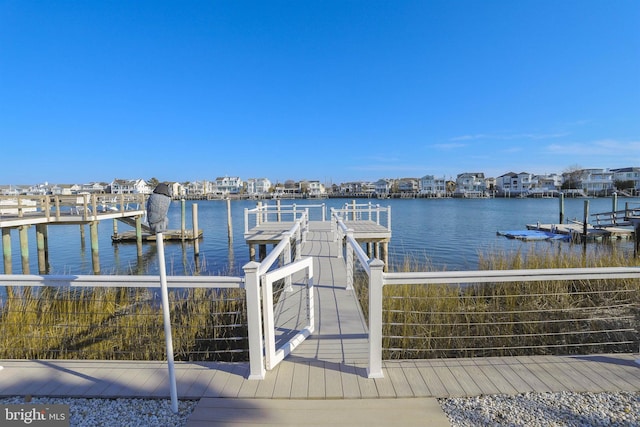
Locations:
{"points": [[389, 217], [254, 321], [349, 261], [375, 319], [286, 254]]}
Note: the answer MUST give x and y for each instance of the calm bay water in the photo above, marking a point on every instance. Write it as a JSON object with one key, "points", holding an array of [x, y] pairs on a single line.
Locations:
{"points": [[446, 233]]}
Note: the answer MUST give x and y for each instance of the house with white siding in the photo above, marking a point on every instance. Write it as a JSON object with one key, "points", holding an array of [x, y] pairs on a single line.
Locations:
{"points": [[382, 187], [515, 183], [229, 185], [471, 184], [430, 185], [130, 186], [258, 186], [596, 182], [631, 174]]}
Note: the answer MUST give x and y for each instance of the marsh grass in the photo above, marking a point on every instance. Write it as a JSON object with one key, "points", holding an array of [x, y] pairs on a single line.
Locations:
{"points": [[122, 323], [520, 318]]}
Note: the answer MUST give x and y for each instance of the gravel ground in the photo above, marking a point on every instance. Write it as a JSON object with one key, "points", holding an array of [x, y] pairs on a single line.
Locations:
{"points": [[118, 412], [545, 409], [529, 409]]}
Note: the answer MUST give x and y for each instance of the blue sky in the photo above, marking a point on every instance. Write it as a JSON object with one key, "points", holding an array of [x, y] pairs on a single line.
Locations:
{"points": [[328, 90]]}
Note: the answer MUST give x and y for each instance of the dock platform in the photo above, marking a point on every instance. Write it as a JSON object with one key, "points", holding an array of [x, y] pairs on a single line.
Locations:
{"points": [[324, 381], [577, 229]]}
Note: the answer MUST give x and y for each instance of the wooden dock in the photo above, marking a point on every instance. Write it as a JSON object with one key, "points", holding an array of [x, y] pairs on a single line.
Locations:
{"points": [[324, 380], [577, 229], [326, 374]]}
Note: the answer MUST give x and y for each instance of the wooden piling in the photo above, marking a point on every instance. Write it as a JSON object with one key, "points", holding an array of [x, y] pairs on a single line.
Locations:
{"points": [[6, 250], [196, 244], [95, 253], [585, 221], [183, 218], [561, 199], [82, 238], [229, 225], [41, 244], [139, 236], [24, 248]]}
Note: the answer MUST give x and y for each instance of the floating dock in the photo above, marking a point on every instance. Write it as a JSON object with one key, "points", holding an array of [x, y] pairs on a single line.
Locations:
{"points": [[131, 237], [577, 229]]}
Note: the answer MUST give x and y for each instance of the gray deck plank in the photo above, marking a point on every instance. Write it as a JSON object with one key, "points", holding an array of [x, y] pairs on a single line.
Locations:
{"points": [[317, 386], [350, 386], [300, 380]]}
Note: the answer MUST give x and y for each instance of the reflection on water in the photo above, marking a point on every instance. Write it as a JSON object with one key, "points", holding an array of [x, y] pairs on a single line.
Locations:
{"points": [[445, 233]]}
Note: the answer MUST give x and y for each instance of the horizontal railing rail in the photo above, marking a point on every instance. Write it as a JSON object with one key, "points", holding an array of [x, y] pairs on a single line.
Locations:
{"points": [[365, 212], [378, 279], [56, 206]]}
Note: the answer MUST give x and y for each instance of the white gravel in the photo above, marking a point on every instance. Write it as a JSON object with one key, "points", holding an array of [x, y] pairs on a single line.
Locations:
{"points": [[528, 409], [545, 409], [117, 412]]}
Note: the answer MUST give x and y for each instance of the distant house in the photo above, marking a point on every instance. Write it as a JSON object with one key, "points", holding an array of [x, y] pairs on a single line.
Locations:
{"points": [[315, 189], [358, 188], [229, 185], [383, 187], [429, 185], [471, 184], [631, 174], [258, 186], [515, 183], [65, 189], [408, 185], [596, 182], [197, 189], [94, 187], [130, 186], [546, 184]]}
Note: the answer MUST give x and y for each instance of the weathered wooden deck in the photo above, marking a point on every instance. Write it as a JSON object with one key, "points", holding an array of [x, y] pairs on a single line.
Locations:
{"points": [[331, 364]]}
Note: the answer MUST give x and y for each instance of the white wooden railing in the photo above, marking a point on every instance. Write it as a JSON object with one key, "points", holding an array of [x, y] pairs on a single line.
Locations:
{"points": [[257, 282], [364, 212], [378, 278]]}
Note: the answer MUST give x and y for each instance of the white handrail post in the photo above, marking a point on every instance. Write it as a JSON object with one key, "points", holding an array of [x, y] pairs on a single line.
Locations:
{"points": [[388, 217], [375, 319], [349, 260], [254, 321], [167, 322], [246, 220], [324, 212], [288, 287]]}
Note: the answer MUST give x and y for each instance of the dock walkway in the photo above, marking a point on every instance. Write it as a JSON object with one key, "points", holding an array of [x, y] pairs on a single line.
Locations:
{"points": [[324, 380]]}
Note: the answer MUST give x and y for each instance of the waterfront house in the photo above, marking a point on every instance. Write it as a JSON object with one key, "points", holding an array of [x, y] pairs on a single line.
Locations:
{"points": [[94, 187], [314, 189], [546, 185], [408, 186], [596, 182], [471, 184], [382, 187], [433, 187], [258, 186], [65, 189], [629, 175], [515, 184], [130, 186], [229, 185]]}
